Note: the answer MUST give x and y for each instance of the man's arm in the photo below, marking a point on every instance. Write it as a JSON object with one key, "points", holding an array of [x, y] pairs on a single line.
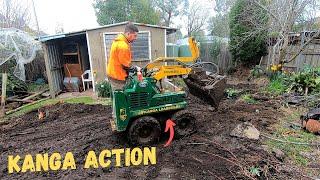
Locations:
{"points": [[124, 56]]}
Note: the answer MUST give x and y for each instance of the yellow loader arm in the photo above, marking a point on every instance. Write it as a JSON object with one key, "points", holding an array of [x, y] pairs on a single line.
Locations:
{"points": [[208, 87], [162, 69]]}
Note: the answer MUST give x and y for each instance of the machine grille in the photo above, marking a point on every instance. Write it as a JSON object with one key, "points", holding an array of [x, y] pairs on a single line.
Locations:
{"points": [[138, 100]]}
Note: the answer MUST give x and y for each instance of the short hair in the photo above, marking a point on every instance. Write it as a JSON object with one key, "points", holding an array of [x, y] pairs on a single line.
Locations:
{"points": [[130, 28]]}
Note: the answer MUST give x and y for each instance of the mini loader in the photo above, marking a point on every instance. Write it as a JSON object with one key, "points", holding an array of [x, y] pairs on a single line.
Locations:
{"points": [[144, 105]]}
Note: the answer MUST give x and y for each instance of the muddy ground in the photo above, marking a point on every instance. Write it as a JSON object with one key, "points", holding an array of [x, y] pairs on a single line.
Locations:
{"points": [[209, 153]]}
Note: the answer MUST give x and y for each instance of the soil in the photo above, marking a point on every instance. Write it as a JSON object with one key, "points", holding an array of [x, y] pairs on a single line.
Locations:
{"points": [[208, 153]]}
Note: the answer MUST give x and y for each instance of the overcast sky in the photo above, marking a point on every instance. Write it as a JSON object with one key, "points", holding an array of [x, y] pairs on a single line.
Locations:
{"points": [[72, 15], [76, 15]]}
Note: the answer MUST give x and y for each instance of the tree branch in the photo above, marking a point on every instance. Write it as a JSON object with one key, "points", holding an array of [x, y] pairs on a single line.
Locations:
{"points": [[304, 46]]}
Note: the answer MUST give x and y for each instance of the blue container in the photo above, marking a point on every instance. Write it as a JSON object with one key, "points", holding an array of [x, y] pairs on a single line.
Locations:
{"points": [[72, 84]]}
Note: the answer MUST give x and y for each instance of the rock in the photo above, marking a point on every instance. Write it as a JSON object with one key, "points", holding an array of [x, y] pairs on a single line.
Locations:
{"points": [[265, 122], [310, 155], [294, 99], [279, 154], [245, 130], [211, 108], [264, 147], [269, 128]]}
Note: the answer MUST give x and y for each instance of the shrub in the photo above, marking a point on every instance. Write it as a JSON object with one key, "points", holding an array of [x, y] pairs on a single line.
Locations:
{"points": [[231, 93], [256, 72], [104, 89], [277, 85], [306, 81], [14, 85], [247, 40]]}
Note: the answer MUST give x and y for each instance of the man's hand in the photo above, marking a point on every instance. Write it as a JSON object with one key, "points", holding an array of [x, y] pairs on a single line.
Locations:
{"points": [[134, 69]]}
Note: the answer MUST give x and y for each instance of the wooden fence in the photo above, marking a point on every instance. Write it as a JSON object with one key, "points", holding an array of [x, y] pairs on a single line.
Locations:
{"points": [[310, 56], [223, 60]]}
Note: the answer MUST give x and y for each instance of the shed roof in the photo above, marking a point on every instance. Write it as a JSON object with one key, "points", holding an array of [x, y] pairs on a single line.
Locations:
{"points": [[62, 35]]}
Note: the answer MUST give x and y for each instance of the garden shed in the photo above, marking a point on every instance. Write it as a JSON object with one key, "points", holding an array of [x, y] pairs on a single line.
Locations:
{"points": [[70, 55]]}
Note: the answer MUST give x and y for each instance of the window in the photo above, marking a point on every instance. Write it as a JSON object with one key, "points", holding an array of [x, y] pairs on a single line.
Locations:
{"points": [[140, 48]]}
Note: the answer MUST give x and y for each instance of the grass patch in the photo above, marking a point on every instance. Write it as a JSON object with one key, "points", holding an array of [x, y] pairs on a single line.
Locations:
{"points": [[276, 87], [248, 99], [87, 100], [284, 132], [29, 108], [76, 100]]}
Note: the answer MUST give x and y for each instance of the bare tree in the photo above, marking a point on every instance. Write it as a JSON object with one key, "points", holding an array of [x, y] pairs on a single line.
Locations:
{"points": [[59, 28], [196, 18], [13, 14], [284, 14]]}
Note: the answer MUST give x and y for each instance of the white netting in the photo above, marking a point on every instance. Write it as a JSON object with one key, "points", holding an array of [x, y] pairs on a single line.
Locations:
{"points": [[19, 46]]}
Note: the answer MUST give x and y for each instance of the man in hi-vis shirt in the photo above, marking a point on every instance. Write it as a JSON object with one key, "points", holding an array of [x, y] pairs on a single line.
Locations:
{"points": [[119, 60]]}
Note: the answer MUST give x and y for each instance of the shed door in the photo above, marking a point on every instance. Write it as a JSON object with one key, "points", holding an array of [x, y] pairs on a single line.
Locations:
{"points": [[54, 66]]}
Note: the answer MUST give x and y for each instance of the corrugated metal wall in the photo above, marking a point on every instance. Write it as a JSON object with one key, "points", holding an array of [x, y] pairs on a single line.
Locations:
{"points": [[54, 66]]}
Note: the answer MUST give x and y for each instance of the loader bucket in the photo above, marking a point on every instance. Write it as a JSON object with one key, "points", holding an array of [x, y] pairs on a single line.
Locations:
{"points": [[208, 87]]}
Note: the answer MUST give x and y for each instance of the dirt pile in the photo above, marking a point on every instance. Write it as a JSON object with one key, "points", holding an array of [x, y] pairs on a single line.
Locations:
{"points": [[209, 153]]}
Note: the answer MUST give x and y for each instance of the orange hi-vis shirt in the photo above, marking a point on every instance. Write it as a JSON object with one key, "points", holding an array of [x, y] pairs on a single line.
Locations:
{"points": [[120, 57]]}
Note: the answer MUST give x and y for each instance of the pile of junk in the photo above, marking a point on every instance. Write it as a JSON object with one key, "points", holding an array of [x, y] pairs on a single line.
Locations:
{"points": [[311, 120]]}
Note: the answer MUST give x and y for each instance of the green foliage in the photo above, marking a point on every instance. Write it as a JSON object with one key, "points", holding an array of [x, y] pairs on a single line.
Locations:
{"points": [[247, 35], [248, 99], [104, 89], [257, 71], [277, 85], [255, 171], [169, 9], [219, 26], [273, 34], [78, 100], [215, 48], [14, 84], [115, 11], [306, 81], [231, 92], [75, 100]]}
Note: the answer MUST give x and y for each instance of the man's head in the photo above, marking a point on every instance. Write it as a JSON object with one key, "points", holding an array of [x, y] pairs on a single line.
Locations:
{"points": [[131, 32]]}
